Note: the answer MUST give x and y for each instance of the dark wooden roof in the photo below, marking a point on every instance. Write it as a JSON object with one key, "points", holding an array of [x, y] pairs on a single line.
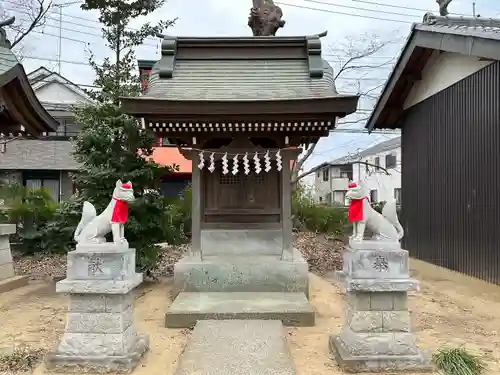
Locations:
{"points": [[20, 110], [465, 35], [252, 82]]}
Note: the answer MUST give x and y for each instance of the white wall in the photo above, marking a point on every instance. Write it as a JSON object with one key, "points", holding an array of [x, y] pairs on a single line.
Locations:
{"points": [[324, 188], [381, 182], [58, 93], [441, 71]]}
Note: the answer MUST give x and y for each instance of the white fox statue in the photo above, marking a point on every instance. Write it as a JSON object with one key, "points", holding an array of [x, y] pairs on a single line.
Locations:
{"points": [[385, 226], [93, 228]]}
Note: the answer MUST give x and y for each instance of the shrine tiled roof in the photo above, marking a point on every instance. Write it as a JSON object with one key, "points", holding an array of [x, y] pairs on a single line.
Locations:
{"points": [[226, 79]]}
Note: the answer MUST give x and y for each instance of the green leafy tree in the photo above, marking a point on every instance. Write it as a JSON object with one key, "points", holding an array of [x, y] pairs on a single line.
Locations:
{"points": [[120, 78], [113, 145]]}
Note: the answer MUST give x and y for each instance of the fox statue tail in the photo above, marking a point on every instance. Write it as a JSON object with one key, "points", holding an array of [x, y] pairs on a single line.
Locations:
{"points": [[88, 213], [390, 213]]}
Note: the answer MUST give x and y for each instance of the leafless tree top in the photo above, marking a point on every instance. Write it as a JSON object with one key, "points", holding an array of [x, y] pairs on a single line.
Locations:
{"points": [[31, 14]]}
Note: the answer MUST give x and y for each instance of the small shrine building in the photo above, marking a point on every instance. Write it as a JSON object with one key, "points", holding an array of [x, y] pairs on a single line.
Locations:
{"points": [[240, 108]]}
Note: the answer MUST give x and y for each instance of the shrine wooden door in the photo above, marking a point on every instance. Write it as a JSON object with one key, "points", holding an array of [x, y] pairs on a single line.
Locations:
{"points": [[241, 198]]}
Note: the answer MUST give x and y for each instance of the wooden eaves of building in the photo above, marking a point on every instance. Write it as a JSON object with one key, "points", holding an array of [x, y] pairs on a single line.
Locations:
{"points": [[20, 110], [227, 98], [444, 95]]}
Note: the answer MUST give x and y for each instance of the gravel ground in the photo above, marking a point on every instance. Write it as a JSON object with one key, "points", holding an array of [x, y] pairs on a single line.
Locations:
{"points": [[322, 253]]}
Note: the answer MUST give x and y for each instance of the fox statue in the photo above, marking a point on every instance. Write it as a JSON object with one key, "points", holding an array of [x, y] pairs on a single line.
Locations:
{"points": [[385, 226], [93, 228]]}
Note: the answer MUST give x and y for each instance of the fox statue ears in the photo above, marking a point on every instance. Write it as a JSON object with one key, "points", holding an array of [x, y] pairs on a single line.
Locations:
{"points": [[126, 186]]}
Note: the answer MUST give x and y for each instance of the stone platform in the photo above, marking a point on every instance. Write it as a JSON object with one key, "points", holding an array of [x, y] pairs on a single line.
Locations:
{"points": [[242, 273], [292, 309], [242, 347]]}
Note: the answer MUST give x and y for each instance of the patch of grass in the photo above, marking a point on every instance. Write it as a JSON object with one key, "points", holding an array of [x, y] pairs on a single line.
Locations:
{"points": [[458, 361], [22, 358]]}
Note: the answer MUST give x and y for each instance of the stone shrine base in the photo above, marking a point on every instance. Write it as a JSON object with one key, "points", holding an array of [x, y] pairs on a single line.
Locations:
{"points": [[242, 273], [100, 335], [98, 364], [376, 362]]}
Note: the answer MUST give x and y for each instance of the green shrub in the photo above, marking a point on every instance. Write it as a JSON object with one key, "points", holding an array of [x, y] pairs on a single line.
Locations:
{"points": [[309, 215], [458, 361]]}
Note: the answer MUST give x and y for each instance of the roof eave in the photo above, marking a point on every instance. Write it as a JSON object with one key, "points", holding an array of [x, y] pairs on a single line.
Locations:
{"points": [[340, 106], [478, 44], [30, 113]]}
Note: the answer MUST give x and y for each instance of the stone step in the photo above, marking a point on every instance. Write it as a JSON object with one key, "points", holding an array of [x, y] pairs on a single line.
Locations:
{"points": [[292, 309], [242, 347]]}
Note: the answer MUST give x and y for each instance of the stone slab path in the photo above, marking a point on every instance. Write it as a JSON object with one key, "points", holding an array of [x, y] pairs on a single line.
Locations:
{"points": [[242, 347], [293, 309]]}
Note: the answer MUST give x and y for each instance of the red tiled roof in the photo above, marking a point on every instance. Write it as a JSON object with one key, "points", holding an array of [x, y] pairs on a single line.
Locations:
{"points": [[169, 156]]}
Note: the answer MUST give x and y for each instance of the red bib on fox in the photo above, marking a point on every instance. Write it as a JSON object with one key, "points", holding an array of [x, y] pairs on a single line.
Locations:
{"points": [[120, 211]]}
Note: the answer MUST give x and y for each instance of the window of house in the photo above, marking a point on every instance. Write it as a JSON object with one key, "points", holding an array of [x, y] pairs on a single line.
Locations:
{"points": [[377, 161], [397, 195], [339, 197], [367, 168], [325, 174], [321, 199], [373, 195], [390, 161], [317, 174], [51, 185]]}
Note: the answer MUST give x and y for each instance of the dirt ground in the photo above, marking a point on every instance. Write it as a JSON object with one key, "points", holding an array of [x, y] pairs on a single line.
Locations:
{"points": [[451, 309]]}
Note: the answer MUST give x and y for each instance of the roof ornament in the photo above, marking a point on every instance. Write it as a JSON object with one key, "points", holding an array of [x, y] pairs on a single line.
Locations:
{"points": [[4, 42], [443, 7], [265, 18]]}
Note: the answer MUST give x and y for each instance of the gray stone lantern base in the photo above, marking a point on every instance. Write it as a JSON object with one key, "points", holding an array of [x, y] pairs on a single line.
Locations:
{"points": [[377, 335], [100, 334], [8, 278]]}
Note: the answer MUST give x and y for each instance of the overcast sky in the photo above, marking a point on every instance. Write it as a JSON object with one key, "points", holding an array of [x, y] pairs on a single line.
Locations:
{"points": [[342, 19]]}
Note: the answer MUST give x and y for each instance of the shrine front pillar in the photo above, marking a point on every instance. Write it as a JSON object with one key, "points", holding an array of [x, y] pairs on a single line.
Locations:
{"points": [[286, 205], [196, 208]]}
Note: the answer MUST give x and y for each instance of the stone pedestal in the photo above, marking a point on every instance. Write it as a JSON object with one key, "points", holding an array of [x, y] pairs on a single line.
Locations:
{"points": [[100, 335], [8, 278], [377, 335]]}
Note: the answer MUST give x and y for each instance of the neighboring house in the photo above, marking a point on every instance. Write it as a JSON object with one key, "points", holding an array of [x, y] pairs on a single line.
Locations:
{"points": [[332, 178], [444, 93], [47, 162]]}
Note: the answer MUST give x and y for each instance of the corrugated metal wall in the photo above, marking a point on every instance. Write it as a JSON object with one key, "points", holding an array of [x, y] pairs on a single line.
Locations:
{"points": [[451, 177]]}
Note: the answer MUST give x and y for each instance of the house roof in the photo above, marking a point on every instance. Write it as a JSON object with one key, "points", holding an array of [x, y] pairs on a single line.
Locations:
{"points": [[21, 109], [388, 145], [171, 155], [470, 36], [38, 154], [42, 77], [214, 79]]}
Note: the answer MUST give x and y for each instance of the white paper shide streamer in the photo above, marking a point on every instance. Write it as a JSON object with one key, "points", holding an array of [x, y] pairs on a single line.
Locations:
{"points": [[225, 165], [202, 160], [267, 162], [246, 165], [211, 167], [235, 165], [279, 161], [256, 161]]}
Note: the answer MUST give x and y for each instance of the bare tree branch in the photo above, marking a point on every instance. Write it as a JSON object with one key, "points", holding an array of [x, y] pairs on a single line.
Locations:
{"points": [[35, 10], [357, 49]]}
